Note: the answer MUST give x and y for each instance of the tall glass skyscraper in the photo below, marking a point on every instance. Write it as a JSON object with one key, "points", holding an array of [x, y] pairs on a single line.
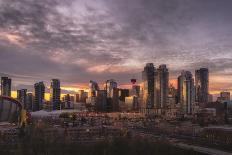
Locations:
{"points": [[161, 86], [148, 86], [39, 96], [5, 86], [22, 97], [186, 92], [110, 86], [202, 85], [93, 87], [55, 92], [112, 95]]}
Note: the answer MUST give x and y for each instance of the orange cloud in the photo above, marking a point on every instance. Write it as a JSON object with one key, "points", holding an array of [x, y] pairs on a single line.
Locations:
{"points": [[110, 69], [12, 38]]}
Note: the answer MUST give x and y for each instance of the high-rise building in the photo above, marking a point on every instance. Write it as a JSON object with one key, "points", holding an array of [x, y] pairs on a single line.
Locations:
{"points": [[112, 95], [172, 96], [148, 86], [29, 101], [210, 98], [135, 89], [5, 86], [77, 97], [131, 103], [67, 101], [39, 96], [115, 99], [186, 92], [101, 100], [161, 86], [202, 85], [55, 92], [93, 87], [22, 97], [109, 86], [224, 96], [91, 100], [123, 93], [82, 96]]}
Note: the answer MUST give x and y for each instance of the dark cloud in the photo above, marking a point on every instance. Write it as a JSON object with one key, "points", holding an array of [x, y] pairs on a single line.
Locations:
{"points": [[79, 40]]}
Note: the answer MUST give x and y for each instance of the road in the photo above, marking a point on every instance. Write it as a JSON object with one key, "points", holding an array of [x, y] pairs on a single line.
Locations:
{"points": [[177, 142], [204, 150]]}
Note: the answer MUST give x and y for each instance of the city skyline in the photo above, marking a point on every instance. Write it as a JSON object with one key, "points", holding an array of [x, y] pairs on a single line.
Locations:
{"points": [[73, 90], [116, 77], [78, 41]]}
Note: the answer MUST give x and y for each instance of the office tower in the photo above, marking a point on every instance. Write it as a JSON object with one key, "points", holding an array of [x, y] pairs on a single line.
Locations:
{"points": [[228, 111], [91, 100], [109, 86], [224, 96], [172, 96], [161, 86], [148, 86], [123, 93], [101, 100], [22, 97], [131, 103], [210, 98], [29, 101], [39, 96], [5, 86], [82, 96], [93, 87], [115, 99], [135, 89], [77, 97], [172, 91], [67, 101], [202, 85], [55, 92], [186, 92], [112, 95]]}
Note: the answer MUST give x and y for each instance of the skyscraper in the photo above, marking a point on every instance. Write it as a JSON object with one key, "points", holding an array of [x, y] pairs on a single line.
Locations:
{"points": [[148, 86], [91, 100], [29, 101], [67, 101], [82, 96], [172, 96], [109, 86], [161, 86], [112, 95], [186, 92], [55, 92], [224, 96], [123, 93], [22, 97], [39, 96], [101, 102], [135, 89], [93, 87], [5, 86], [202, 85]]}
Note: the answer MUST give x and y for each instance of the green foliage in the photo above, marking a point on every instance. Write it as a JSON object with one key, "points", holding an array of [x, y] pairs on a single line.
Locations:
{"points": [[39, 145]]}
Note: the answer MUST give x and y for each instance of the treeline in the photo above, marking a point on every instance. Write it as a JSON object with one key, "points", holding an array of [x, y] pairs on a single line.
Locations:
{"points": [[117, 146], [34, 141]]}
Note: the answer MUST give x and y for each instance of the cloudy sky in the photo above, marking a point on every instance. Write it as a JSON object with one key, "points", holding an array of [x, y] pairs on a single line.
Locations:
{"points": [[80, 40]]}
